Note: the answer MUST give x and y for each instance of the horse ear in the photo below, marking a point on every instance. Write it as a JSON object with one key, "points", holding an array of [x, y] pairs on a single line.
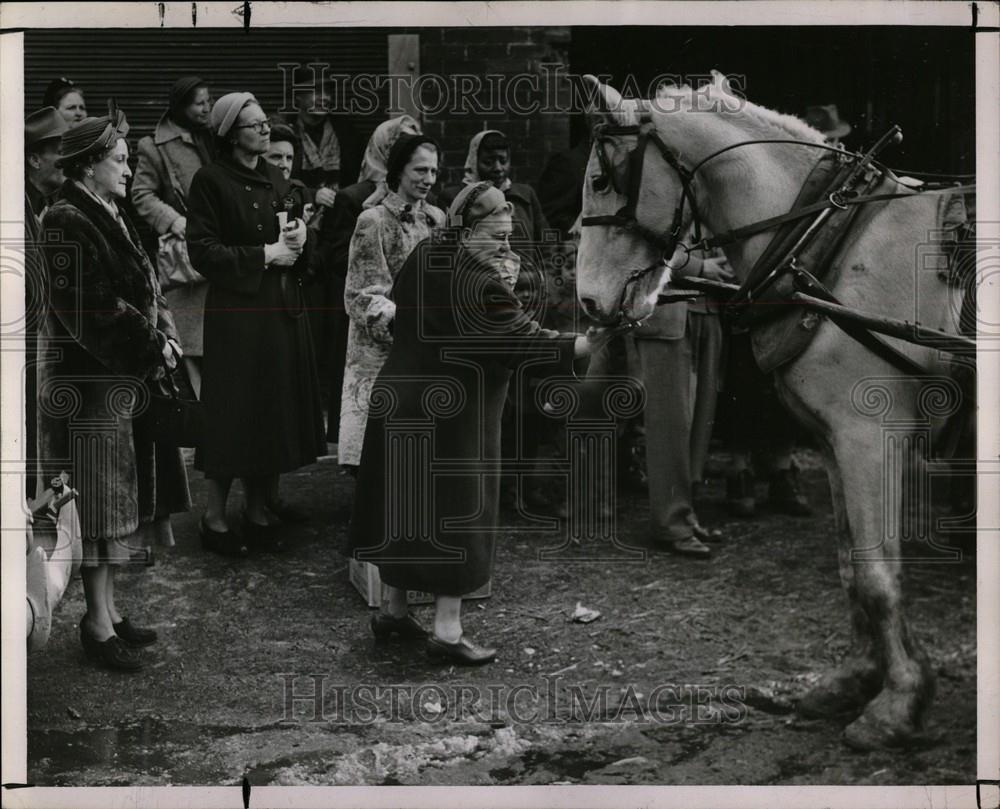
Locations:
{"points": [[721, 82], [606, 98]]}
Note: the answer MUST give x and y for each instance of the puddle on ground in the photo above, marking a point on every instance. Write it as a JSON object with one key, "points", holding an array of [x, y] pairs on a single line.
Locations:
{"points": [[152, 745]]}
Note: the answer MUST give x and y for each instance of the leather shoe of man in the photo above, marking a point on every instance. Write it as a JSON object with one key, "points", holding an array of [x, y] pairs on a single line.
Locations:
{"points": [[691, 547], [703, 534], [463, 652]]}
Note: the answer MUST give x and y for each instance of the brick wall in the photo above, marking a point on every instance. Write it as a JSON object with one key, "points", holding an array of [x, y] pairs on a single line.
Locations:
{"points": [[502, 52]]}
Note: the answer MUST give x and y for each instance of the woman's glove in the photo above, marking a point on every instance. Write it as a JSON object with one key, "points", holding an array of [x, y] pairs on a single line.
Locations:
{"points": [[294, 235], [179, 226], [325, 197], [379, 322], [279, 254]]}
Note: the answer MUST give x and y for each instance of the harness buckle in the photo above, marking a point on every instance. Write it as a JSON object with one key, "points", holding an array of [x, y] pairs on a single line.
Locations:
{"points": [[837, 200]]}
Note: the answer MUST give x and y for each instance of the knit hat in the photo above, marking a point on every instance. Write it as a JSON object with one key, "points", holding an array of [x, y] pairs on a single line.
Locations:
{"points": [[43, 124], [401, 152], [227, 110], [476, 202], [92, 135], [180, 93]]}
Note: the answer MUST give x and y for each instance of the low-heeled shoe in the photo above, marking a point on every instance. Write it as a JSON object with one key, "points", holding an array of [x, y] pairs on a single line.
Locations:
{"points": [[463, 651], [263, 538], [226, 543], [112, 653], [134, 635], [691, 547], [407, 627]]}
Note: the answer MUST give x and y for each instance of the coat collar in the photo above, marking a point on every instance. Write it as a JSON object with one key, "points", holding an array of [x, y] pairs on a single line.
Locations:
{"points": [[102, 219], [264, 174], [402, 210], [167, 129]]}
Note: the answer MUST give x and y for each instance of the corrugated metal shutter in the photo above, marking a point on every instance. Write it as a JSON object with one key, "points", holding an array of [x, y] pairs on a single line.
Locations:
{"points": [[138, 66]]}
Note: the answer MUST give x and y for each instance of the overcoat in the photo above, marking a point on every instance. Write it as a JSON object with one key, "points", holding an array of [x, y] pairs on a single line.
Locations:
{"points": [[259, 382], [100, 344], [426, 501], [168, 161], [384, 237]]}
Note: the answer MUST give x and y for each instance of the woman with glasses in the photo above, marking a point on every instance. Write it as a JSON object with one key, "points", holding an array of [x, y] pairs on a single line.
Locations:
{"points": [[259, 382], [168, 159]]}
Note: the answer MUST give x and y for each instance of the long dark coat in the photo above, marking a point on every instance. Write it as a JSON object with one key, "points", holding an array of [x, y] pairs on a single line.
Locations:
{"points": [[425, 508], [259, 383], [100, 344]]}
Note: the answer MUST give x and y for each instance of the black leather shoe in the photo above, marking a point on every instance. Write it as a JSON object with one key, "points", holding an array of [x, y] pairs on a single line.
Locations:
{"points": [[463, 652], [704, 534], [112, 653], [225, 543], [288, 513], [134, 635], [407, 627], [691, 547], [263, 538]]}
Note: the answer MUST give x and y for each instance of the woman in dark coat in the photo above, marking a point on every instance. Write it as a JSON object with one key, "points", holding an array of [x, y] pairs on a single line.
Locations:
{"points": [[425, 509], [259, 389], [107, 336], [168, 160]]}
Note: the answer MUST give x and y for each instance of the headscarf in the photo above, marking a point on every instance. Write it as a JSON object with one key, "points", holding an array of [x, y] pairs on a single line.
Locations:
{"points": [[226, 110], [92, 135], [472, 159], [374, 165], [179, 97]]}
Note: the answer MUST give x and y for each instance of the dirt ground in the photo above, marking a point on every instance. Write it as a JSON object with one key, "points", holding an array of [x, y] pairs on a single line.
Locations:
{"points": [[698, 662]]}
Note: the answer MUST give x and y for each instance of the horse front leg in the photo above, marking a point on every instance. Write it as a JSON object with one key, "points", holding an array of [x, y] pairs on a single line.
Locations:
{"points": [[895, 716], [858, 677]]}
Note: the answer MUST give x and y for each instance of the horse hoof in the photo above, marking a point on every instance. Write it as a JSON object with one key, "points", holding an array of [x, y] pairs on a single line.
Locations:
{"points": [[865, 734]]}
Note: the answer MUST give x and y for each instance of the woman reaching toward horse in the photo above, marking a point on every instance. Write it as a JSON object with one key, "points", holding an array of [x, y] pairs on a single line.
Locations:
{"points": [[426, 506]]}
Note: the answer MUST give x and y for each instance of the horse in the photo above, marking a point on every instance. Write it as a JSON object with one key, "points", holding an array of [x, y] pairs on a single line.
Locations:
{"points": [[837, 387]]}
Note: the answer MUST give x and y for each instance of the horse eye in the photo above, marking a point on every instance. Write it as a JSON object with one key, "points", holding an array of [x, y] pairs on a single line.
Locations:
{"points": [[599, 184]]}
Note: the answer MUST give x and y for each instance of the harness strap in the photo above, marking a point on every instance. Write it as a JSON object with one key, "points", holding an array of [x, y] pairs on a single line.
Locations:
{"points": [[833, 201], [806, 282]]}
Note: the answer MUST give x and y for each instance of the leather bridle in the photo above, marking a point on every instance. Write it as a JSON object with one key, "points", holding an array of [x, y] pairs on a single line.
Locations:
{"points": [[626, 217]]}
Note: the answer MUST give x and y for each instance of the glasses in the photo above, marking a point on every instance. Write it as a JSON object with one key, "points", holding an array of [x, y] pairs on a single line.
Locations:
{"points": [[260, 127]]}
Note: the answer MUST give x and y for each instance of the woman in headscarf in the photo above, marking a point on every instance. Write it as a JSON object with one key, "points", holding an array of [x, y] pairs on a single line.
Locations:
{"points": [[489, 160], [259, 389], [336, 229], [396, 220], [110, 334], [67, 98], [425, 511], [180, 145]]}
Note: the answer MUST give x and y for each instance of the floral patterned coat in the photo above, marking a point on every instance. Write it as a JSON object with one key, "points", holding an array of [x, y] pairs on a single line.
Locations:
{"points": [[384, 237]]}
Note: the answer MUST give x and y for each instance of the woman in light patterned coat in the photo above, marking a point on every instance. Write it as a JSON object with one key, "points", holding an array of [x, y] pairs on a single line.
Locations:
{"points": [[396, 219]]}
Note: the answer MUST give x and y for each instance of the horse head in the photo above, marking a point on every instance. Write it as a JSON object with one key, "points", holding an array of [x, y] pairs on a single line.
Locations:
{"points": [[619, 269]]}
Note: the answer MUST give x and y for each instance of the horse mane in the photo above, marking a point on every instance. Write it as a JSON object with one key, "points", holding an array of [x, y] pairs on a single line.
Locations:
{"points": [[752, 120]]}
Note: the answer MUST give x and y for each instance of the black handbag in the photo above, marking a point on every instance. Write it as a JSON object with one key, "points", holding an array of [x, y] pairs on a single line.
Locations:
{"points": [[177, 422]]}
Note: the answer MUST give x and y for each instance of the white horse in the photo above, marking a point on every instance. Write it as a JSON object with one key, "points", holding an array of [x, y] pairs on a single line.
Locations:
{"points": [[857, 403]]}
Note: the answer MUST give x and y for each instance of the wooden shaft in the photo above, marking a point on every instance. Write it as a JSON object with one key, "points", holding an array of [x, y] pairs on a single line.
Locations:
{"points": [[902, 329]]}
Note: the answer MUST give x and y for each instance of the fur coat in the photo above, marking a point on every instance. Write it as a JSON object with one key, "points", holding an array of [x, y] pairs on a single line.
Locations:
{"points": [[100, 346]]}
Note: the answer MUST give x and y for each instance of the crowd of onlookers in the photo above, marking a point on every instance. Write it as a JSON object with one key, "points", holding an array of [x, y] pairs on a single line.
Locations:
{"points": [[247, 261]]}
